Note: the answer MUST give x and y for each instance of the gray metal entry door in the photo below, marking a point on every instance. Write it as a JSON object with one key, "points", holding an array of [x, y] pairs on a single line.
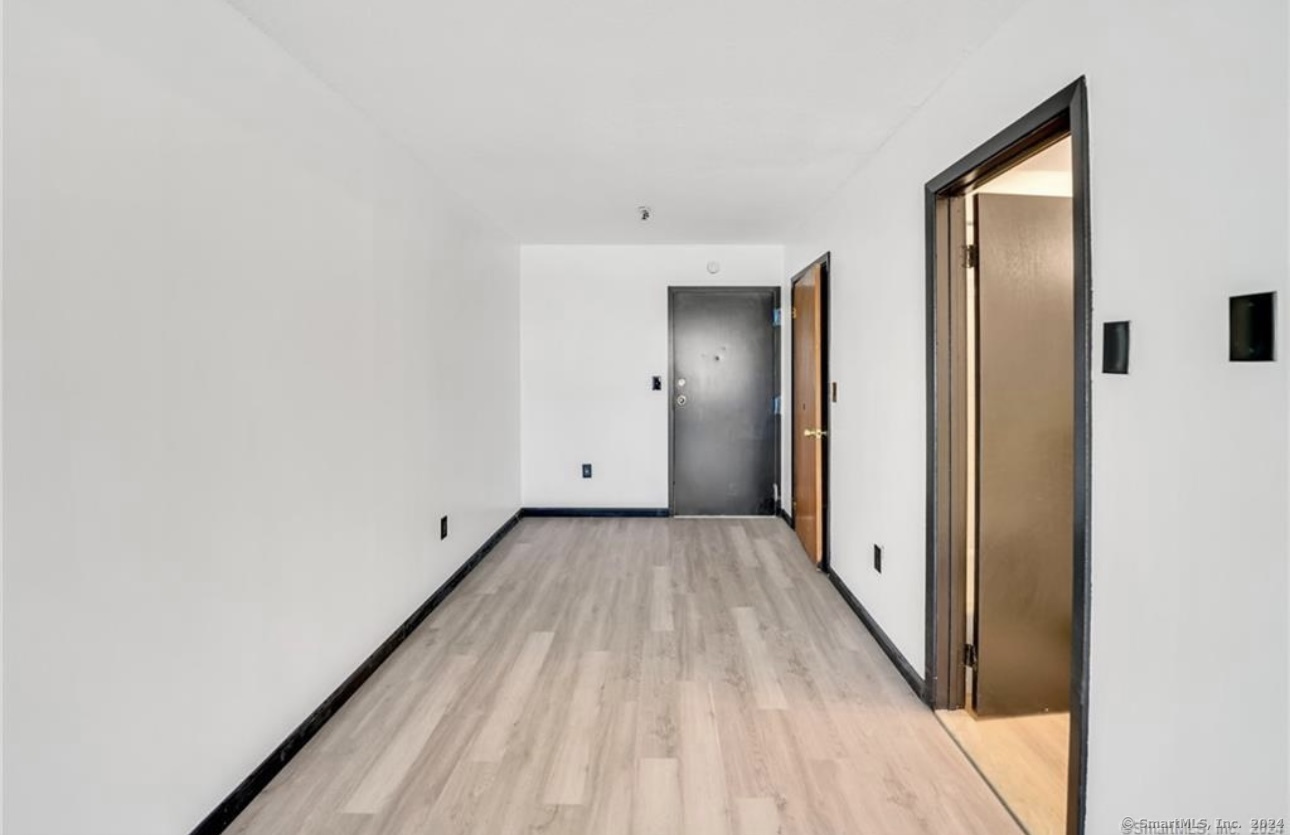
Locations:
{"points": [[725, 380]]}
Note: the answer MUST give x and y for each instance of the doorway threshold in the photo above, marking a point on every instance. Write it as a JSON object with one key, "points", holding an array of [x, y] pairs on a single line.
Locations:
{"points": [[1022, 758]]}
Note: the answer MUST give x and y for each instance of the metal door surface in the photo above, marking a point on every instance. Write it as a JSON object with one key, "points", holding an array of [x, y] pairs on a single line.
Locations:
{"points": [[1025, 448], [725, 360]]}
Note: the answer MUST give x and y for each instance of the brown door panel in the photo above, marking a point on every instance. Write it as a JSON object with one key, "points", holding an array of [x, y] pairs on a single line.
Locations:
{"points": [[1026, 444], [808, 413]]}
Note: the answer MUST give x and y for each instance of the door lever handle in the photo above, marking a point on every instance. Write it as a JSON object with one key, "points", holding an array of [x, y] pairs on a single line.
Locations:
{"points": [[815, 433]]}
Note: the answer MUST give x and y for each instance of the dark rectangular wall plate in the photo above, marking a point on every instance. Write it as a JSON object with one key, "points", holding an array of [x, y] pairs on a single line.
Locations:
{"points": [[586, 471], [877, 558], [1252, 327], [1115, 347]]}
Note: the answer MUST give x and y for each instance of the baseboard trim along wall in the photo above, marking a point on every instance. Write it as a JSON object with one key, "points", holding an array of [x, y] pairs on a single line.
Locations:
{"points": [[598, 512], [912, 678], [241, 797], [783, 514]]}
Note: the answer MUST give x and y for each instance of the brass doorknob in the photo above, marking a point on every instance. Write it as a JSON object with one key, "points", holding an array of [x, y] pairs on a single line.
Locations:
{"points": [[815, 433]]}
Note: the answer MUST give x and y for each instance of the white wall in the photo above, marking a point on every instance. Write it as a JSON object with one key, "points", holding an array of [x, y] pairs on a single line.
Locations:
{"points": [[1188, 112], [2, 64], [251, 354], [593, 333]]}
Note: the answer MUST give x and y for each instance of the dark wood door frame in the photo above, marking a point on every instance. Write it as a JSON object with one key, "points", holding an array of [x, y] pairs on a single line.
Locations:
{"points": [[824, 262], [1064, 114]]}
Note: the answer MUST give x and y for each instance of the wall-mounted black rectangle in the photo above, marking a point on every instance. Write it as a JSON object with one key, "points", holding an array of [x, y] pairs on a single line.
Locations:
{"points": [[1115, 348], [877, 558], [443, 527], [1252, 327], [586, 471], [656, 383]]}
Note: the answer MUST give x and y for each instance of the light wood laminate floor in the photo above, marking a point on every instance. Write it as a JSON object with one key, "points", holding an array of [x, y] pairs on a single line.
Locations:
{"points": [[643, 676], [1025, 758]]}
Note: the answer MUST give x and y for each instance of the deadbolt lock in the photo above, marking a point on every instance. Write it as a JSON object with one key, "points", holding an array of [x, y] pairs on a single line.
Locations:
{"points": [[680, 400]]}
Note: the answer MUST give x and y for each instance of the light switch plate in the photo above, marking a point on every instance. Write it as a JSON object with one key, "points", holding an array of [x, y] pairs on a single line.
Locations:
{"points": [[1115, 348], [1252, 327]]}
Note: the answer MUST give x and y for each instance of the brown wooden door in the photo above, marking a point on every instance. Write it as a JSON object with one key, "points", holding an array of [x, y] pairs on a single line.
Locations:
{"points": [[808, 413], [1026, 449]]}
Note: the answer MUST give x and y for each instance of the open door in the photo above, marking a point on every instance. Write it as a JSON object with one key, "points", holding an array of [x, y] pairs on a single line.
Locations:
{"points": [[809, 417], [1009, 364], [1026, 453]]}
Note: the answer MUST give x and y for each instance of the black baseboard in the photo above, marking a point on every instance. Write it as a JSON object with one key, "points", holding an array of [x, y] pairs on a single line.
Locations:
{"points": [[783, 514], [914, 680], [598, 512], [224, 814]]}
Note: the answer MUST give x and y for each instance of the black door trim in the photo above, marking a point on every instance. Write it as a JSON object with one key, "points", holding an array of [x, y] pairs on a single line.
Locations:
{"points": [[1065, 113], [778, 382], [825, 263]]}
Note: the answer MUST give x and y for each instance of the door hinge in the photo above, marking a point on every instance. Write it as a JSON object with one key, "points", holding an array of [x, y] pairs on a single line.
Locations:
{"points": [[794, 506], [969, 655], [776, 317], [969, 256], [775, 405], [794, 311]]}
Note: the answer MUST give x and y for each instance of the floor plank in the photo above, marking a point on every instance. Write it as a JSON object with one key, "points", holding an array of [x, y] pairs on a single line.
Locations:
{"points": [[599, 676], [1025, 758]]}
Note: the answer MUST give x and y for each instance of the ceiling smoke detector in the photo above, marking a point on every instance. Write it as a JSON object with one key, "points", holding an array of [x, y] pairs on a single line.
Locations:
{"points": [[644, 213]]}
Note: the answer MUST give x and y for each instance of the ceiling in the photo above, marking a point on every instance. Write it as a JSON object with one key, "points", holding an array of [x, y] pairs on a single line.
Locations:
{"points": [[557, 118], [1048, 172]]}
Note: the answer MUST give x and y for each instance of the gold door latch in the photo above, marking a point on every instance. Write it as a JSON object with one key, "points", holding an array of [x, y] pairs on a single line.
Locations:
{"points": [[815, 433]]}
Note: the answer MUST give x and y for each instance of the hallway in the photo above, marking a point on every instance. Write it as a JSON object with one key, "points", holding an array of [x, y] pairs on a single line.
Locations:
{"points": [[634, 675]]}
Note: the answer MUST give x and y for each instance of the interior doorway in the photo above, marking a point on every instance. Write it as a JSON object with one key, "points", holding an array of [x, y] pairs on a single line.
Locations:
{"points": [[724, 422], [1009, 308], [810, 408]]}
